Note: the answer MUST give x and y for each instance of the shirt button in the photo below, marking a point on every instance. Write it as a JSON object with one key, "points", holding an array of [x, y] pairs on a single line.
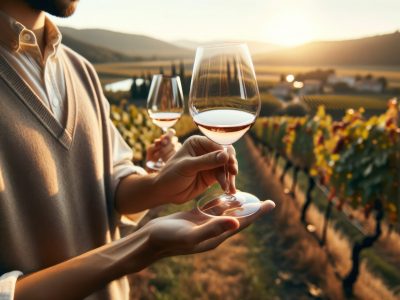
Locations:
{"points": [[26, 37]]}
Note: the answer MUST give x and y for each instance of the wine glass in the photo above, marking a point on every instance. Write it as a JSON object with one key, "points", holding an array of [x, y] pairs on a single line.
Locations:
{"points": [[165, 106], [224, 102]]}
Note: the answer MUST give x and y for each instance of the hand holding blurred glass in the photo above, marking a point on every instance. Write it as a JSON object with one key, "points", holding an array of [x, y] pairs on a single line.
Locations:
{"points": [[165, 106]]}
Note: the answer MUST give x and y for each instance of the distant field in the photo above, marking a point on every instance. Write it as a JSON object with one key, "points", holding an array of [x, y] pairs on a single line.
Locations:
{"points": [[392, 74], [265, 73], [377, 102]]}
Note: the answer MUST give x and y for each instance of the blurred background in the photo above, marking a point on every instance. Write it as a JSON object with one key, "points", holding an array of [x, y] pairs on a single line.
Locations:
{"points": [[326, 147]]}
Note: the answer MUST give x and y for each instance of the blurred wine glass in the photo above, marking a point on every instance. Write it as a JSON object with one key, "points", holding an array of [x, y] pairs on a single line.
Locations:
{"points": [[224, 102], [165, 106]]}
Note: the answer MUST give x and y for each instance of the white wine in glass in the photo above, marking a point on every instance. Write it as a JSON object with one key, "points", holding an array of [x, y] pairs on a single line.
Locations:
{"points": [[224, 102], [165, 106]]}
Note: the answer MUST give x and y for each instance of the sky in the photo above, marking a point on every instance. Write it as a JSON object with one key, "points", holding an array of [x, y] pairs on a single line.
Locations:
{"points": [[282, 22]]}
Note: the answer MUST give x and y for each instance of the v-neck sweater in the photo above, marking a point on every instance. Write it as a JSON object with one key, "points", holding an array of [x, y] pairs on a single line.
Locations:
{"points": [[56, 196]]}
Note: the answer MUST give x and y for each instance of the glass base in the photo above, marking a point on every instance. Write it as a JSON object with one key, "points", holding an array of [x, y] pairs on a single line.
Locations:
{"points": [[155, 165], [238, 205]]}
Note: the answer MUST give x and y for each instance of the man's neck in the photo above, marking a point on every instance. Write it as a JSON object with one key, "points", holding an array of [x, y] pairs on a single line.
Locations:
{"points": [[29, 17]]}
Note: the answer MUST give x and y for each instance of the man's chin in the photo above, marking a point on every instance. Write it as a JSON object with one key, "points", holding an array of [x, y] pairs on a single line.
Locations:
{"points": [[58, 8]]}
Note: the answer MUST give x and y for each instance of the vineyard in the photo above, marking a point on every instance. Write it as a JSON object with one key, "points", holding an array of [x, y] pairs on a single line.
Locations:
{"points": [[354, 161], [347, 169]]}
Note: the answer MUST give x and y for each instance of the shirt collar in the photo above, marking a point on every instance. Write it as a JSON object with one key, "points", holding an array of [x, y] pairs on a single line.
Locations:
{"points": [[16, 37]]}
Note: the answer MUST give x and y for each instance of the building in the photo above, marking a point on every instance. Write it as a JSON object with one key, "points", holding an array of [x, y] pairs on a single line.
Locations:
{"points": [[334, 79], [369, 86], [311, 86], [282, 90]]}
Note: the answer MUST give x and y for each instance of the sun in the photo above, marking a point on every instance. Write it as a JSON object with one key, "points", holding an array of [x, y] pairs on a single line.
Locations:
{"points": [[288, 29]]}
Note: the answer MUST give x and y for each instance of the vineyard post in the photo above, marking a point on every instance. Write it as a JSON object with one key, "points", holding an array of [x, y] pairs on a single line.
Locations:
{"points": [[326, 222], [276, 159], [267, 155], [285, 169], [368, 241], [310, 187], [294, 180]]}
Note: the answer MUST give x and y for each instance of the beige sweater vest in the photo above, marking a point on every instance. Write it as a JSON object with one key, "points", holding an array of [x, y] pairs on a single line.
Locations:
{"points": [[55, 189]]}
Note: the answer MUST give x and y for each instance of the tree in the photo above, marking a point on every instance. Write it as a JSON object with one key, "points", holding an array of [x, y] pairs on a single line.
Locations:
{"points": [[383, 81], [173, 69], [134, 90], [182, 70]]}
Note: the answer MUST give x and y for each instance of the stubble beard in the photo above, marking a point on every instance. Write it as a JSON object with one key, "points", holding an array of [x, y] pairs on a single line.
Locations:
{"points": [[58, 8]]}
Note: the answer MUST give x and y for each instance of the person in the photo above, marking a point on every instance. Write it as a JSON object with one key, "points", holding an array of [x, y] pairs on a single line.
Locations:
{"points": [[66, 175]]}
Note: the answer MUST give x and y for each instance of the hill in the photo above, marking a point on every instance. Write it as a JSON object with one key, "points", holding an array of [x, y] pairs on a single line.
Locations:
{"points": [[127, 44], [95, 54], [254, 46], [376, 50]]}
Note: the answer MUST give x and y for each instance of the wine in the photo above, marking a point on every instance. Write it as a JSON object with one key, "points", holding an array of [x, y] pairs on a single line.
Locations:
{"points": [[224, 126], [164, 119]]}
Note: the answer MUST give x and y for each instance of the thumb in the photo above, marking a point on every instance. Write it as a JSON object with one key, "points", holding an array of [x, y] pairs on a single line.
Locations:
{"points": [[205, 162]]}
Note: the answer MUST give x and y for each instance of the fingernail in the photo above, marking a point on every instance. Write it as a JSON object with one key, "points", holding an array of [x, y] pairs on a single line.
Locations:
{"points": [[220, 156], [164, 142]]}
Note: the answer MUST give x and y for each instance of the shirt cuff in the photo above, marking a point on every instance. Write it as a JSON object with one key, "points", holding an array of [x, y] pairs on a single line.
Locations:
{"points": [[124, 170], [7, 285]]}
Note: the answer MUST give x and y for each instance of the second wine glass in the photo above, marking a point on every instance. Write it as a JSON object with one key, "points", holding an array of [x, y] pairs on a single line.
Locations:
{"points": [[165, 106]]}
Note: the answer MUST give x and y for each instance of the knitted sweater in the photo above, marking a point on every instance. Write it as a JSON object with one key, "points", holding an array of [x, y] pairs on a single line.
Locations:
{"points": [[56, 200]]}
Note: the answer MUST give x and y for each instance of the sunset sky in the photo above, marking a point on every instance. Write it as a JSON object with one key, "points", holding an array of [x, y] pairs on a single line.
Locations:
{"points": [[281, 22]]}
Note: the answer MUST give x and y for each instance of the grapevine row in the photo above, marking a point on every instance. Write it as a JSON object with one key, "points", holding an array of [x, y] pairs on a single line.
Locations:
{"points": [[356, 160]]}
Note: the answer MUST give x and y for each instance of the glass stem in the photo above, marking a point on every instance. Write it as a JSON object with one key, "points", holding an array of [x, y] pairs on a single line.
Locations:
{"points": [[227, 177], [160, 160]]}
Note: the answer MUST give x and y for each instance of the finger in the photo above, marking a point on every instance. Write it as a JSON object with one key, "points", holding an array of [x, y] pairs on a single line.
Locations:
{"points": [[171, 132], [232, 184], [266, 207], [201, 145], [155, 155], [165, 149], [165, 140], [205, 162], [214, 227], [168, 137], [231, 151], [174, 140], [220, 175], [233, 166]]}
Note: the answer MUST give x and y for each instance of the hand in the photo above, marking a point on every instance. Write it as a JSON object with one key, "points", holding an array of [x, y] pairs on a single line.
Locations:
{"points": [[193, 232], [197, 165], [164, 147]]}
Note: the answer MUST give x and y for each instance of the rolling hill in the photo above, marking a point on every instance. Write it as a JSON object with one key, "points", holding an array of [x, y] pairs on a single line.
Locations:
{"points": [[127, 44], [95, 54], [377, 50]]}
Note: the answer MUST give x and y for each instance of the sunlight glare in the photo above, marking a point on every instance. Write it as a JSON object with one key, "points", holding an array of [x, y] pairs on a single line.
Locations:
{"points": [[290, 78], [289, 29]]}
